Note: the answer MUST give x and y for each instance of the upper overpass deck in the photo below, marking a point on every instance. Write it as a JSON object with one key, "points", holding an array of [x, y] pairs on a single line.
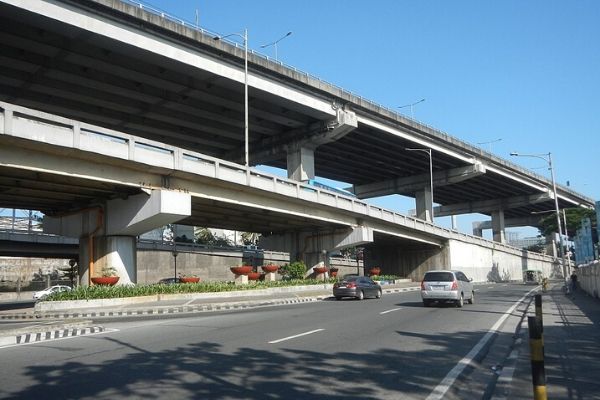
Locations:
{"points": [[125, 68]]}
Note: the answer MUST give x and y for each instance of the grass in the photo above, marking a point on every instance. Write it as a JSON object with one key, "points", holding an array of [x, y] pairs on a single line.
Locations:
{"points": [[119, 291]]}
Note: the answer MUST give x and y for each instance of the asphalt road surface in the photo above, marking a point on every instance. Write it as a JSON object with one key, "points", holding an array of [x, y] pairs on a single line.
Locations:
{"points": [[391, 348]]}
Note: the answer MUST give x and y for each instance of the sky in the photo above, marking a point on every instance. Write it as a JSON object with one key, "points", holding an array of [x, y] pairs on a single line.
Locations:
{"points": [[506, 76]]}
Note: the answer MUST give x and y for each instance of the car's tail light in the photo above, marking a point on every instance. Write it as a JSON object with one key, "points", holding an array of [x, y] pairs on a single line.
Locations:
{"points": [[335, 285], [454, 285], [422, 285]]}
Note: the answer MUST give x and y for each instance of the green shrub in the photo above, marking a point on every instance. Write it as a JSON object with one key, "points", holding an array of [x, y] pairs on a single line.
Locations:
{"points": [[120, 291], [295, 270]]}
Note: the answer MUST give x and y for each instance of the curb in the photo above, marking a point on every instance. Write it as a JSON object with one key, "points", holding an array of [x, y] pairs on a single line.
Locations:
{"points": [[47, 332]]}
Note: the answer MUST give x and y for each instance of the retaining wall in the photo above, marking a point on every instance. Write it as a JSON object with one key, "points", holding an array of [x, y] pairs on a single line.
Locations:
{"points": [[588, 276]]}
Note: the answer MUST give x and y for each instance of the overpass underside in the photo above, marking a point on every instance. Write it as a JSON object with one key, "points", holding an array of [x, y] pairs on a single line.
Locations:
{"points": [[404, 257]]}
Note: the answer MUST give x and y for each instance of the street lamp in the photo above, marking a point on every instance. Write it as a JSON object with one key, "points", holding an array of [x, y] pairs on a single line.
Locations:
{"points": [[411, 105], [490, 143], [245, 39], [175, 254], [548, 158], [428, 151], [275, 43]]}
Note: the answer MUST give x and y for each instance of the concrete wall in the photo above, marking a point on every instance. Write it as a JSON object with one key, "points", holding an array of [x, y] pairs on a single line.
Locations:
{"points": [[154, 265], [588, 276], [490, 264]]}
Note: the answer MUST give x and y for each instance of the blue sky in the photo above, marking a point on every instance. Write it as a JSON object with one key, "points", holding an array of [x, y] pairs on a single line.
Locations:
{"points": [[524, 72]]}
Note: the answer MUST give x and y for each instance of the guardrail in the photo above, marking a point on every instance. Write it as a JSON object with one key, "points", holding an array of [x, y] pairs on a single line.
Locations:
{"points": [[25, 123]]}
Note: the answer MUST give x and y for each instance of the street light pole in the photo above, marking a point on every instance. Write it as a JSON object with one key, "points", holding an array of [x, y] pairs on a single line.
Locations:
{"points": [[411, 105], [556, 209], [490, 143], [428, 151], [275, 43], [246, 127]]}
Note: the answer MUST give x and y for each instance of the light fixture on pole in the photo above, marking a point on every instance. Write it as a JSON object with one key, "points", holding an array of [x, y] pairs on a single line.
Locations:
{"points": [[490, 143], [274, 44], [245, 39], [428, 151], [548, 158], [411, 105]]}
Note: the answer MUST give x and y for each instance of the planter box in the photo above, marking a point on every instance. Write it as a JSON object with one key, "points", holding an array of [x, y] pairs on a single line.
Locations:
{"points": [[189, 279], [105, 280]]}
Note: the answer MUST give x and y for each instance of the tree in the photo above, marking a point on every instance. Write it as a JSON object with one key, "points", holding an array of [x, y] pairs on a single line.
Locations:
{"points": [[574, 216]]}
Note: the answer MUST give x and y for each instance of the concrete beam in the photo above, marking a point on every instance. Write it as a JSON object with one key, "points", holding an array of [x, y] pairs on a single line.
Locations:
{"points": [[489, 206], [131, 217], [412, 184], [309, 137], [142, 213], [509, 223]]}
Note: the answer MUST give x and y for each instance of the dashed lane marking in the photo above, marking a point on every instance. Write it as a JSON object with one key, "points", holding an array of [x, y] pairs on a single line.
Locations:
{"points": [[295, 336]]}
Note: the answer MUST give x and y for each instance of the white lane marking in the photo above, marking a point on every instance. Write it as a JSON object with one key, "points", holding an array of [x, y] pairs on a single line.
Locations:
{"points": [[490, 287], [108, 330], [389, 311], [440, 390], [295, 336]]}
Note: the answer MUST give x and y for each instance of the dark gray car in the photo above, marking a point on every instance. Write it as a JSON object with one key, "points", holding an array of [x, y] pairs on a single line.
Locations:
{"points": [[358, 287], [446, 285]]}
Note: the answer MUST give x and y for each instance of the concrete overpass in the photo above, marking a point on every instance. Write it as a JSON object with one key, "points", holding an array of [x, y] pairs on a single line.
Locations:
{"points": [[93, 90]]}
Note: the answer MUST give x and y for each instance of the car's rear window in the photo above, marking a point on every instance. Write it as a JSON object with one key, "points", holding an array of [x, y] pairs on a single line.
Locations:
{"points": [[438, 277]]}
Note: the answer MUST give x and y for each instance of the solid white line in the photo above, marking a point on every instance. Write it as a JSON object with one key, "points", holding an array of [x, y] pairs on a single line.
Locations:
{"points": [[388, 311], [490, 287], [295, 336], [440, 390]]}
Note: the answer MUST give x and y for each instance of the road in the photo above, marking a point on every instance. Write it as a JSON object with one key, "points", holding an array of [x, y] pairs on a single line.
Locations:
{"points": [[392, 348]]}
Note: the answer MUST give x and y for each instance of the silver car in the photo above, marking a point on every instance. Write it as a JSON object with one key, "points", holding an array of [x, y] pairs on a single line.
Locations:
{"points": [[447, 286]]}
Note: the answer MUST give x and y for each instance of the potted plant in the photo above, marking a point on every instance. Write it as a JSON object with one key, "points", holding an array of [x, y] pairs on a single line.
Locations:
{"points": [[374, 271], [108, 277], [183, 278], [241, 270], [333, 271], [254, 276], [320, 270], [270, 268]]}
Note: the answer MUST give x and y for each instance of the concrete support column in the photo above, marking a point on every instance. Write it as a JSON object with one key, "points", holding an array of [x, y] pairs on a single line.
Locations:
{"points": [[301, 164], [424, 201], [118, 252], [498, 227]]}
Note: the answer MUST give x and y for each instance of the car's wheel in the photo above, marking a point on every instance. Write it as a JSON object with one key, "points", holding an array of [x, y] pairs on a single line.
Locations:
{"points": [[360, 295], [460, 302], [378, 295], [472, 299], [338, 297]]}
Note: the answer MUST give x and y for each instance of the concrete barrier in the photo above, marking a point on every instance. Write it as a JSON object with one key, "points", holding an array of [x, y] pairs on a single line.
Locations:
{"points": [[588, 276]]}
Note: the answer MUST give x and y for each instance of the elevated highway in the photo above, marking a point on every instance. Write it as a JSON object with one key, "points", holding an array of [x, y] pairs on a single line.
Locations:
{"points": [[106, 103]]}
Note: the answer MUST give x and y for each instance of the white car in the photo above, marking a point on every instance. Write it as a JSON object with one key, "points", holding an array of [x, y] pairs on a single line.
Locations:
{"points": [[53, 289], [447, 286]]}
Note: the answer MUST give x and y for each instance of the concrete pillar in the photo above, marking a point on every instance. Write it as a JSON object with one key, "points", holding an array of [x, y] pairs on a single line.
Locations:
{"points": [[498, 228], [118, 252], [301, 164], [424, 201]]}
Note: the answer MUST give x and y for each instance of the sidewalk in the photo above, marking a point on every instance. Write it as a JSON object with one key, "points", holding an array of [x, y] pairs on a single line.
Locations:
{"points": [[571, 347]]}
